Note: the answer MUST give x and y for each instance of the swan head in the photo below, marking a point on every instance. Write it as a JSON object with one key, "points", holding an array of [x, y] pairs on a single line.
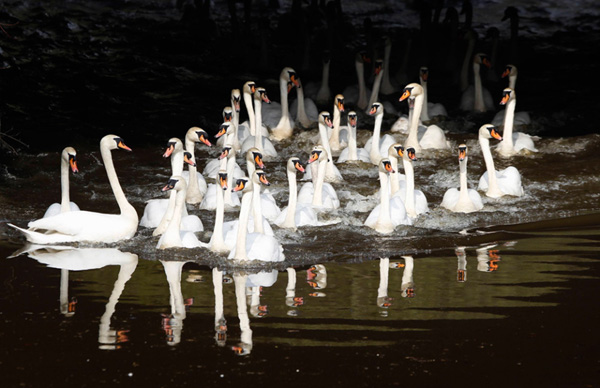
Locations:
{"points": [[411, 90], [462, 152], [260, 177], [508, 94], [69, 155], [410, 154], [325, 119], [113, 142], [243, 184], [227, 114], [361, 57], [482, 59], [222, 179], [488, 131], [249, 87], [424, 73], [385, 166], [289, 75], [352, 118], [189, 159], [317, 153], [197, 135], [173, 145], [510, 12], [223, 128], [294, 163], [261, 95], [509, 70], [253, 155], [378, 66], [376, 109], [176, 183], [236, 96], [396, 150], [225, 152], [339, 102]]}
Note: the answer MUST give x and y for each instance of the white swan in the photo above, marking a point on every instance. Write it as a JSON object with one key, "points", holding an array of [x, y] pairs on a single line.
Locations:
{"points": [[196, 187], [496, 183], [332, 174], [336, 143], [68, 160], [294, 214], [419, 137], [414, 200], [241, 130], [430, 109], [379, 70], [86, 225], [356, 95], [304, 109], [252, 246], [157, 211], [217, 240], [389, 213], [226, 131], [395, 153], [387, 87], [320, 195], [258, 140], [382, 143], [352, 153], [284, 127], [513, 142], [227, 163], [463, 200], [476, 98], [173, 237], [520, 118]]}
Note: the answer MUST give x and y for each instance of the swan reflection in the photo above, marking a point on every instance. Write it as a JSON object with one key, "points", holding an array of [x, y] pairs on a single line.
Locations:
{"points": [[291, 300], [461, 272], [67, 258], [487, 258], [254, 286], [316, 277], [172, 323], [244, 347]]}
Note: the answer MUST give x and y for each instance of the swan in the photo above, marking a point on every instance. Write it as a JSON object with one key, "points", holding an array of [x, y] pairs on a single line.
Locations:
{"points": [[356, 95], [295, 214], [226, 162], [324, 93], [335, 143], [520, 118], [217, 241], [248, 91], [379, 70], [226, 131], [496, 183], [332, 174], [196, 187], [395, 152], [513, 142], [414, 200], [252, 246], [258, 140], [386, 84], [319, 195], [352, 153], [87, 225], [430, 109], [241, 130], [382, 143], [284, 127], [389, 213], [156, 211], [304, 109], [432, 136], [68, 159], [227, 114], [173, 237], [463, 200], [267, 202], [476, 98]]}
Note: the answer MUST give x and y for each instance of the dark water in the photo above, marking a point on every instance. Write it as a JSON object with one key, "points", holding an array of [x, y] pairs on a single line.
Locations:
{"points": [[525, 315]]}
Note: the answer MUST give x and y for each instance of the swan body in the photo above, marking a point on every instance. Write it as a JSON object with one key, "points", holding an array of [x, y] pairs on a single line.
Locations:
{"points": [[429, 109], [227, 163], [319, 194], [295, 215], [85, 225], [332, 174], [284, 128], [196, 188], [476, 98], [389, 213], [335, 143], [463, 200], [496, 183], [352, 153], [513, 142], [253, 246], [173, 237], [68, 160], [431, 137], [382, 143]]}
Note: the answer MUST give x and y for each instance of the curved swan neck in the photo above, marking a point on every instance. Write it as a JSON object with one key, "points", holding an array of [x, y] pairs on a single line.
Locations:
{"points": [[410, 188], [384, 211], [352, 152], [362, 89], [240, 247], [250, 109], [318, 188], [412, 140], [489, 164], [290, 217], [257, 210], [124, 205], [65, 200], [479, 104]]}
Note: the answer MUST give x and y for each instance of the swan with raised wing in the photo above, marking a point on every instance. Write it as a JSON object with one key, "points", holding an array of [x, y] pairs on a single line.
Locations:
{"points": [[86, 225]]}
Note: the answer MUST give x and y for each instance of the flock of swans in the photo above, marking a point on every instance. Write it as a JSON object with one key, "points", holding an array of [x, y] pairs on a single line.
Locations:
{"points": [[235, 187]]}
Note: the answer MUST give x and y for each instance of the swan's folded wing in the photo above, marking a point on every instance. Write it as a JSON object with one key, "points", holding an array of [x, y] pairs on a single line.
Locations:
{"points": [[73, 223]]}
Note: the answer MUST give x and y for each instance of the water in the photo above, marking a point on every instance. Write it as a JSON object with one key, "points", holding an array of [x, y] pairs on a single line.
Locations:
{"points": [[523, 309]]}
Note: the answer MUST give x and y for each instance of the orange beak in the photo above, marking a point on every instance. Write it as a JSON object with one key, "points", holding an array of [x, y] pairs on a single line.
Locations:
{"points": [[263, 180], [313, 157], [341, 106], [73, 164], [222, 131], [462, 154], [328, 122], [373, 110], [404, 95], [495, 134], [265, 98], [169, 151], [388, 167], [412, 155], [239, 186], [123, 146], [187, 158], [258, 161], [224, 153], [299, 167], [506, 72], [203, 140], [223, 181], [295, 81], [353, 121], [505, 98], [487, 63]]}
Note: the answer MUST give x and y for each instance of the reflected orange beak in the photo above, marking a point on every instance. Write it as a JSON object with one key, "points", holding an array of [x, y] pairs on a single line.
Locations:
{"points": [[461, 276]]}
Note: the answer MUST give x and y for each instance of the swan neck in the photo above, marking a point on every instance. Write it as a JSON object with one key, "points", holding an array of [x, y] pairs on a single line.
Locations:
{"points": [[412, 139], [250, 109], [384, 212], [318, 188], [177, 163], [65, 200], [240, 247], [217, 237], [489, 161], [393, 177], [479, 104], [410, 187], [290, 217], [258, 125], [352, 152], [463, 177], [257, 210], [172, 235], [113, 179], [509, 120]]}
